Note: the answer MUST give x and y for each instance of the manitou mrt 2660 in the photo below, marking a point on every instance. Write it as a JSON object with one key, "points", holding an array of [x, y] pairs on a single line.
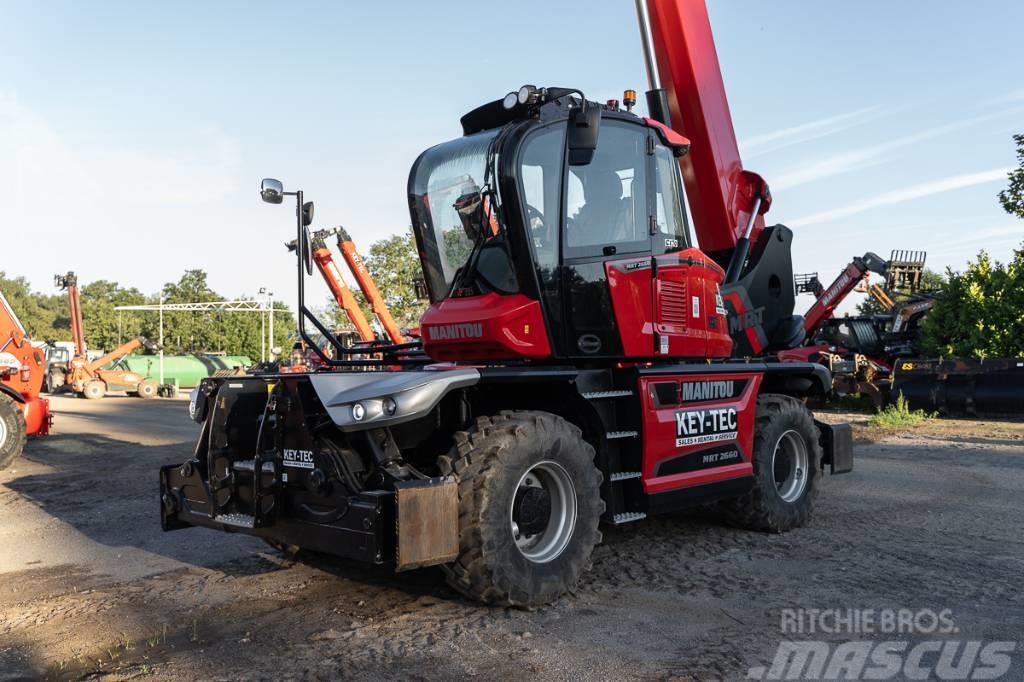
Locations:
{"points": [[581, 361]]}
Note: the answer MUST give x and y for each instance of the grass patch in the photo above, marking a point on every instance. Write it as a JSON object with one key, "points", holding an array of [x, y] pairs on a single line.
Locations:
{"points": [[898, 415]]}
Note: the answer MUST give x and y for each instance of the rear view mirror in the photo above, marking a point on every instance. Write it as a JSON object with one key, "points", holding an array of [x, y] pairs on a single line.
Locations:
{"points": [[470, 207], [307, 213], [584, 127], [272, 191], [306, 252]]}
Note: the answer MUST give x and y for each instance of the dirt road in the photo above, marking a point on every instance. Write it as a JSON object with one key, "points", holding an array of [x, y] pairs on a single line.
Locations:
{"points": [[89, 585]]}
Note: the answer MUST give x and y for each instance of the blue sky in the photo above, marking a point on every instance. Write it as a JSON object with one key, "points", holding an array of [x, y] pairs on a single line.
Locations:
{"points": [[133, 135]]}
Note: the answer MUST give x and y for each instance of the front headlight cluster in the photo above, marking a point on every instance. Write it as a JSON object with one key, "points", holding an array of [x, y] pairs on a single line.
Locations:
{"points": [[387, 407]]}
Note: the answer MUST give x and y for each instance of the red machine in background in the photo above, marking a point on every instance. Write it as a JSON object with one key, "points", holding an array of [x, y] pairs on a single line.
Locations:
{"points": [[92, 379], [22, 412]]}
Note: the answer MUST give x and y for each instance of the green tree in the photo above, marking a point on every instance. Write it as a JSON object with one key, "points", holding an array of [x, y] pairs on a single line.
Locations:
{"points": [[981, 312], [106, 328], [40, 314], [1012, 198]]}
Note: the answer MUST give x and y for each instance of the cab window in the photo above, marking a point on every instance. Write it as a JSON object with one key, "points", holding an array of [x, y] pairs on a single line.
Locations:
{"points": [[670, 220], [606, 200]]}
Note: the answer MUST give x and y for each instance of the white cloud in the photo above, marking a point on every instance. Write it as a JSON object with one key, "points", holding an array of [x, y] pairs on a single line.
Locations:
{"points": [[906, 194], [874, 154], [760, 144]]}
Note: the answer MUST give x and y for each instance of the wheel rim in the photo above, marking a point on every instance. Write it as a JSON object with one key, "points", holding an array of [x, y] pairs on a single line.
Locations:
{"points": [[789, 466], [542, 514]]}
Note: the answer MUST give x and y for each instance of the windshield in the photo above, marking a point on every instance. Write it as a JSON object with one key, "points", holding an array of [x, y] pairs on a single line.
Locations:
{"points": [[444, 178]]}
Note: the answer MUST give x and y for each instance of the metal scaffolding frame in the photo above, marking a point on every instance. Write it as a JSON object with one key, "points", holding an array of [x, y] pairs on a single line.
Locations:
{"points": [[265, 306]]}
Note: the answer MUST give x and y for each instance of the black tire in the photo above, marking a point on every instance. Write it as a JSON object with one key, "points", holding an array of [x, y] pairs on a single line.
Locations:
{"points": [[12, 431], [764, 507], [148, 389], [54, 381], [94, 389], [491, 462]]}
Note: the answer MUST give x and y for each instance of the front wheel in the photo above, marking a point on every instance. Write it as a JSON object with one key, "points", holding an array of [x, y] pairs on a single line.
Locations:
{"points": [[148, 388], [529, 505], [787, 468], [94, 389], [12, 431]]}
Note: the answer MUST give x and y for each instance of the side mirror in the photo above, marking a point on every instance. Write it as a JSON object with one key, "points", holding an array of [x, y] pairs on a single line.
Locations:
{"points": [[584, 127], [419, 287], [306, 252], [307, 213], [470, 207], [272, 191]]}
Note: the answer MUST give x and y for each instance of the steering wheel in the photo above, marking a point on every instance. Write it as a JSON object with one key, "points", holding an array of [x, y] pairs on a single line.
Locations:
{"points": [[532, 213]]}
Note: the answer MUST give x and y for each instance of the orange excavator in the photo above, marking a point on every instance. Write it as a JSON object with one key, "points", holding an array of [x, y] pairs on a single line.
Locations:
{"points": [[23, 412], [346, 300], [88, 378]]}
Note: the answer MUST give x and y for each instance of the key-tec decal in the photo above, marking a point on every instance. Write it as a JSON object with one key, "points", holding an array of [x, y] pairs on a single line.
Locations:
{"points": [[711, 425], [300, 459]]}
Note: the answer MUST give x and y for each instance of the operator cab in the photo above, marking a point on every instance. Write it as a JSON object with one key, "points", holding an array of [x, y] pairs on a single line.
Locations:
{"points": [[539, 241]]}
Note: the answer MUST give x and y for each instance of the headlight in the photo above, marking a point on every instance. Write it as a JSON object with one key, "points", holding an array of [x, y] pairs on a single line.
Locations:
{"points": [[193, 406], [358, 412], [390, 407]]}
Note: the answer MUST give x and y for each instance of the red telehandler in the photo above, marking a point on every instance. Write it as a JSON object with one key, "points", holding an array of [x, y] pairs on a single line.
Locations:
{"points": [[92, 379], [582, 361], [22, 366]]}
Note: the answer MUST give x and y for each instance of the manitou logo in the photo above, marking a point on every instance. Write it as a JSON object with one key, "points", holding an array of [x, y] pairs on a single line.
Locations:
{"points": [[696, 391], [836, 289], [694, 427], [453, 332]]}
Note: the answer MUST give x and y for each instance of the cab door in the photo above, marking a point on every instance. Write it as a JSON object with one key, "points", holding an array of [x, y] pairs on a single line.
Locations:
{"points": [[606, 247]]}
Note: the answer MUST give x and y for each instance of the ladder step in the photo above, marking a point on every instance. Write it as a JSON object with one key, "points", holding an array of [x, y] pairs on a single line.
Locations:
{"points": [[611, 435], [239, 520], [598, 395], [625, 475], [626, 517], [250, 464]]}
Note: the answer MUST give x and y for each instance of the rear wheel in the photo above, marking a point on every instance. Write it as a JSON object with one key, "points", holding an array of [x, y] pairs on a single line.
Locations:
{"points": [[94, 389], [12, 431], [529, 505], [787, 468], [148, 388]]}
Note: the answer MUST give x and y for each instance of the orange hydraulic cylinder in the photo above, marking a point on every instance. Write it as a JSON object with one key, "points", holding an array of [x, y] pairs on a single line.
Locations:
{"points": [[362, 275], [342, 294]]}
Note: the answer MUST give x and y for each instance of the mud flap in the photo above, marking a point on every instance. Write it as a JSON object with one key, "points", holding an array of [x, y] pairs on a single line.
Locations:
{"points": [[836, 446], [426, 523]]}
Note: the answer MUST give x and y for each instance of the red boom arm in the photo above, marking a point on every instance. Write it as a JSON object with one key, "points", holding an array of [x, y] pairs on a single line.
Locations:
{"points": [[721, 194]]}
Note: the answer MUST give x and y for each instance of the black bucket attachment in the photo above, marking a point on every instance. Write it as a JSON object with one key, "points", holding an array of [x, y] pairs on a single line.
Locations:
{"points": [[993, 387]]}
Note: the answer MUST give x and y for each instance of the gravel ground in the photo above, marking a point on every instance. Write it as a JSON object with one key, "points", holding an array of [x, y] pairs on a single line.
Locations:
{"points": [[90, 586]]}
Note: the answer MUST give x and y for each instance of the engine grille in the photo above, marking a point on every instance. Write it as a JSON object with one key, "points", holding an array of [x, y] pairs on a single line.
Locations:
{"points": [[672, 303]]}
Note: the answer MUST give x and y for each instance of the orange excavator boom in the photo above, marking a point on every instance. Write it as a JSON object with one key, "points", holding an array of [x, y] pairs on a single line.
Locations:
{"points": [[367, 285], [332, 277]]}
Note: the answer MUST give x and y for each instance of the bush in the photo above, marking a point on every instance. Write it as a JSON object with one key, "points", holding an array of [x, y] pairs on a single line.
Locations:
{"points": [[898, 415], [981, 311]]}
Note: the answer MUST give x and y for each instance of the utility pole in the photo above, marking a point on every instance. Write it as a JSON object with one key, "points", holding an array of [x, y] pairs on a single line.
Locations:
{"points": [[271, 340]]}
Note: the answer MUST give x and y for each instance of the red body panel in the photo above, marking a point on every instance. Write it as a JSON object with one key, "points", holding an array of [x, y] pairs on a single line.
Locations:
{"points": [[486, 327], [720, 192], [673, 309], [630, 288], [706, 435], [690, 319], [21, 369]]}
